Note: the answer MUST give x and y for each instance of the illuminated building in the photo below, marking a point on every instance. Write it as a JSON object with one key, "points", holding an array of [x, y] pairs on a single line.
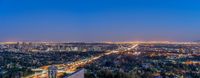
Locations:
{"points": [[52, 71]]}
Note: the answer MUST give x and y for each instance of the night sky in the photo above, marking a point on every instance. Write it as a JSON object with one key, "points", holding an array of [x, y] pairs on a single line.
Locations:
{"points": [[99, 20]]}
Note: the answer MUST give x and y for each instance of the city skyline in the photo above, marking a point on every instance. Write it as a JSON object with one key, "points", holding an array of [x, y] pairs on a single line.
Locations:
{"points": [[91, 21]]}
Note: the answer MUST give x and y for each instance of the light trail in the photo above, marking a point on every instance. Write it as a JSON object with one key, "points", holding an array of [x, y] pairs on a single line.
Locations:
{"points": [[71, 67]]}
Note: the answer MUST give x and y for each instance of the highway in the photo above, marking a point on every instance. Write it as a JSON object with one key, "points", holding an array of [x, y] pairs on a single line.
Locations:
{"points": [[72, 67]]}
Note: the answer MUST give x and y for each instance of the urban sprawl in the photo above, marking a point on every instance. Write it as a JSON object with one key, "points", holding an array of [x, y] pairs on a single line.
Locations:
{"points": [[100, 60]]}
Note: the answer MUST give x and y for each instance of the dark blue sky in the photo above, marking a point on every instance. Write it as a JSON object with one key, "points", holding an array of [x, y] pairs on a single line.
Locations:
{"points": [[99, 20]]}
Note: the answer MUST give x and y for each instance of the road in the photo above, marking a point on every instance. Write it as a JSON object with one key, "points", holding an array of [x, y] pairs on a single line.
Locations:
{"points": [[72, 67]]}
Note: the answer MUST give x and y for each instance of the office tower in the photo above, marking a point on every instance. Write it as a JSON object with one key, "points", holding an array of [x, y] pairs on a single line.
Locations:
{"points": [[52, 71]]}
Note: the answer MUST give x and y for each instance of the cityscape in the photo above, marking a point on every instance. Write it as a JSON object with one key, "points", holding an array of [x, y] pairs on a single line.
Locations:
{"points": [[99, 39], [100, 60]]}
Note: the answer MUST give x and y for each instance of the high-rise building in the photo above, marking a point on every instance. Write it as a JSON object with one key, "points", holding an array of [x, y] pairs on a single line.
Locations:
{"points": [[52, 71]]}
